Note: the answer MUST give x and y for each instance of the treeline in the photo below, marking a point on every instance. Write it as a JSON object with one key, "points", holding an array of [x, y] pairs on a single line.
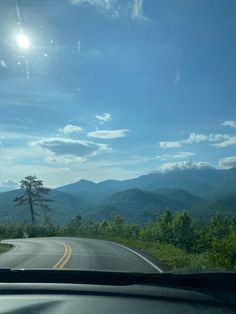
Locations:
{"points": [[173, 237]]}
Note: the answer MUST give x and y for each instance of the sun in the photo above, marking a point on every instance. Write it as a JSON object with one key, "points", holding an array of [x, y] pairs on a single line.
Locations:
{"points": [[23, 41]]}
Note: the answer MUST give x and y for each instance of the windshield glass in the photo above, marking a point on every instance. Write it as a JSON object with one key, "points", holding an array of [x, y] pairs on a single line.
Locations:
{"points": [[117, 134]]}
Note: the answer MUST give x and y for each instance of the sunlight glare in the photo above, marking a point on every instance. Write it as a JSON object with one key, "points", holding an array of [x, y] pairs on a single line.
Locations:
{"points": [[23, 41]]}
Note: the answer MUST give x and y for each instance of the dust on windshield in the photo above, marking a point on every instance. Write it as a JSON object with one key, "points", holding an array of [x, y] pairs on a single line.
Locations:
{"points": [[117, 135]]}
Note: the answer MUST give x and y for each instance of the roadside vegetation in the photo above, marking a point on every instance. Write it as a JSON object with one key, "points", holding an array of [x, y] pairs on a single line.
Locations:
{"points": [[5, 247], [172, 238]]}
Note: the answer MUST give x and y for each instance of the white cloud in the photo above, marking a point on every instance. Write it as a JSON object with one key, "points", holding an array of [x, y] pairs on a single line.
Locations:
{"points": [[65, 159], [9, 135], [230, 141], [228, 162], [171, 166], [69, 147], [162, 157], [70, 128], [104, 117], [173, 144], [116, 9], [104, 4], [230, 123], [10, 183], [196, 138], [180, 155], [137, 10], [183, 155], [218, 137], [108, 134]]}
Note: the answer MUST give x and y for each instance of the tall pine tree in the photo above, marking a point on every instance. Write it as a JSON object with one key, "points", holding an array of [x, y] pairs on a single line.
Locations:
{"points": [[35, 195]]}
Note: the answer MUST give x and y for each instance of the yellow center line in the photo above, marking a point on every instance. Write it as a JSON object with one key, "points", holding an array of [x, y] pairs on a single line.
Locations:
{"points": [[65, 258]]}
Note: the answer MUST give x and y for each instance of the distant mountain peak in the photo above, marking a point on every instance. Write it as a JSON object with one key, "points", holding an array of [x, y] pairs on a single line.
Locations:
{"points": [[82, 181], [204, 183]]}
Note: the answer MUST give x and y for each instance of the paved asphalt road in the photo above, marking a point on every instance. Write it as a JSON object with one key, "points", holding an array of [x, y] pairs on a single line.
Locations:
{"points": [[74, 253]]}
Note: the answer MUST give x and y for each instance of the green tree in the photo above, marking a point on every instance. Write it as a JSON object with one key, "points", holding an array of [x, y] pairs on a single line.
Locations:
{"points": [[219, 227], [105, 227], [35, 195], [118, 224], [223, 252], [209, 237], [74, 226], [202, 240], [132, 230], [183, 232], [164, 230], [91, 228], [147, 232]]}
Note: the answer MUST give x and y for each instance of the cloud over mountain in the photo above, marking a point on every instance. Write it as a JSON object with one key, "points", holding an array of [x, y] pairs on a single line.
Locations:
{"points": [[228, 162], [8, 185], [170, 166], [180, 155]]}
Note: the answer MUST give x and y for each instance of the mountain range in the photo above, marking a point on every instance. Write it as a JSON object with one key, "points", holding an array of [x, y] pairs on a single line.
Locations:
{"points": [[202, 192]]}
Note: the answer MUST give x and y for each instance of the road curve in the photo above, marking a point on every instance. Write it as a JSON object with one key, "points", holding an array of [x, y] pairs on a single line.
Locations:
{"points": [[74, 253]]}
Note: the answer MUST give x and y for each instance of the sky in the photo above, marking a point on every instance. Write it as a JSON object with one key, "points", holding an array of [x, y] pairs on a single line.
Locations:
{"points": [[114, 89]]}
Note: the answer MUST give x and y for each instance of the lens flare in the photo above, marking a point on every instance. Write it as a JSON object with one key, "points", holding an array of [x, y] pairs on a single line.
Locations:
{"points": [[23, 41]]}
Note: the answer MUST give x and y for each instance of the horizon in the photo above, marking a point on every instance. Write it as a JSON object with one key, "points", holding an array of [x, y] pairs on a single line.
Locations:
{"points": [[115, 91], [9, 189]]}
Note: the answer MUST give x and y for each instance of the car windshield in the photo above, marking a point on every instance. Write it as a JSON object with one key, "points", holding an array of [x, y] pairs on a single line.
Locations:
{"points": [[117, 135]]}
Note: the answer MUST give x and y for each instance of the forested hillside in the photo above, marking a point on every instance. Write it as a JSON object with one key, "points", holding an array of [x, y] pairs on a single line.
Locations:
{"points": [[181, 229], [208, 184], [138, 200], [173, 238]]}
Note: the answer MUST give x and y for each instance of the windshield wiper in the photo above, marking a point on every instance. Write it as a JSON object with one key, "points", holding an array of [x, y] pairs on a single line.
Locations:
{"points": [[214, 280]]}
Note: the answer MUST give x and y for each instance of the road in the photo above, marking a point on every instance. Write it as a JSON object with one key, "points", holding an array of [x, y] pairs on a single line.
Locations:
{"points": [[74, 253]]}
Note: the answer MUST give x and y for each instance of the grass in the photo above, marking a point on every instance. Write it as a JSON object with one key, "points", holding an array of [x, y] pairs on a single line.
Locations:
{"points": [[5, 247], [174, 258], [170, 256]]}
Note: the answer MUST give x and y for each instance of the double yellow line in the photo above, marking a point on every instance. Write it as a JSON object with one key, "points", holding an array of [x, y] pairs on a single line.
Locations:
{"points": [[65, 258]]}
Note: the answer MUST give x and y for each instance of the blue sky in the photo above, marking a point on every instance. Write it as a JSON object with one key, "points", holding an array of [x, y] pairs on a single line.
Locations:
{"points": [[112, 89]]}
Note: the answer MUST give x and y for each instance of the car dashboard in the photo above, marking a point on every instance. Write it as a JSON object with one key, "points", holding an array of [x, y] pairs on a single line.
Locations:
{"points": [[112, 296]]}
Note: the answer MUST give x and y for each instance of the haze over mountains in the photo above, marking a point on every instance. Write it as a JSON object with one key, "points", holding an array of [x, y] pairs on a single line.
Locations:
{"points": [[202, 192], [206, 183]]}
